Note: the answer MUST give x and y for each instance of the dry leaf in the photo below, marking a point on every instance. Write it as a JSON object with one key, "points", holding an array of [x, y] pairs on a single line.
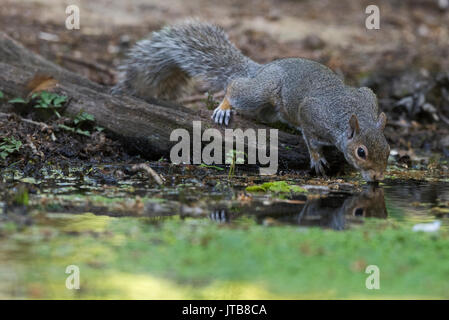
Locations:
{"points": [[41, 83]]}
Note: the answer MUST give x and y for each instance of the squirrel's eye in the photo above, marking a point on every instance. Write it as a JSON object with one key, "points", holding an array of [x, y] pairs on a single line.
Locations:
{"points": [[361, 152]]}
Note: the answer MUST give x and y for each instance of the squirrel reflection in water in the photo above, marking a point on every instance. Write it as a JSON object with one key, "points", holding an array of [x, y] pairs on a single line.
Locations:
{"points": [[334, 211]]}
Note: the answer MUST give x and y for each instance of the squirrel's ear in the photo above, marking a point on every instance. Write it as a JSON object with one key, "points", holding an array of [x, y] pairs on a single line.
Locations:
{"points": [[381, 121], [353, 126]]}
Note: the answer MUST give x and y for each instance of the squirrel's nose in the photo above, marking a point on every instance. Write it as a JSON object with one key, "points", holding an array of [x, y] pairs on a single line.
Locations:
{"points": [[377, 176], [373, 176]]}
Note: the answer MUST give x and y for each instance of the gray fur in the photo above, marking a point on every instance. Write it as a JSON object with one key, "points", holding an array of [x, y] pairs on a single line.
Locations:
{"points": [[162, 65]]}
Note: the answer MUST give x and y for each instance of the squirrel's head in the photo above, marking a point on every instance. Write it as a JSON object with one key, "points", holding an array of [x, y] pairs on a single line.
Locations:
{"points": [[367, 149]]}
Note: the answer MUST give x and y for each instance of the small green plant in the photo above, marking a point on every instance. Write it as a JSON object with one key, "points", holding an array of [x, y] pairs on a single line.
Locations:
{"points": [[80, 120], [8, 146], [21, 196], [83, 117], [43, 100], [203, 165], [234, 157], [1, 95], [74, 130], [49, 100]]}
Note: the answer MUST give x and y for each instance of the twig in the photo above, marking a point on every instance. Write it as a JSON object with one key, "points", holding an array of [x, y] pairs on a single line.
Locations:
{"points": [[33, 147], [40, 124], [149, 170]]}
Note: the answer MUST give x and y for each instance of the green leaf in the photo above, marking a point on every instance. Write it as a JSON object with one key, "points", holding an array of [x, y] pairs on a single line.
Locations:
{"points": [[203, 165], [240, 160], [84, 116], [89, 116], [8, 146], [46, 97], [59, 99], [63, 126], [1, 95], [83, 132], [17, 100]]}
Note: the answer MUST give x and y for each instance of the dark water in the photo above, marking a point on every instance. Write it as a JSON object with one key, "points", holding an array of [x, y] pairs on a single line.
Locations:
{"points": [[207, 196]]}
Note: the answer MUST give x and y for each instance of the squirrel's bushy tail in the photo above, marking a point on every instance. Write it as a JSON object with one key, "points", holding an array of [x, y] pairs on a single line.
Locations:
{"points": [[162, 65]]}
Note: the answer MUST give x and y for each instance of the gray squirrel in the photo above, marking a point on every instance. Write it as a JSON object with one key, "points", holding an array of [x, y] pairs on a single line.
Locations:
{"points": [[302, 93]]}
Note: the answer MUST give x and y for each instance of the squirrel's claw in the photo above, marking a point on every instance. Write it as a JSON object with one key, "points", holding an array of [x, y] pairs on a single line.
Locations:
{"points": [[219, 216], [318, 166], [223, 112], [213, 114], [221, 116], [324, 162], [227, 117]]}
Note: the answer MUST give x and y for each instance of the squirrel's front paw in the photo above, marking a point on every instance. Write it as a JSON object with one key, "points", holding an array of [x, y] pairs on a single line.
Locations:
{"points": [[220, 116], [222, 113], [318, 165]]}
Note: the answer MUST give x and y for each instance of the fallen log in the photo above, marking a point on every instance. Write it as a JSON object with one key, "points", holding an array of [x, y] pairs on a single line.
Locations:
{"points": [[144, 127]]}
